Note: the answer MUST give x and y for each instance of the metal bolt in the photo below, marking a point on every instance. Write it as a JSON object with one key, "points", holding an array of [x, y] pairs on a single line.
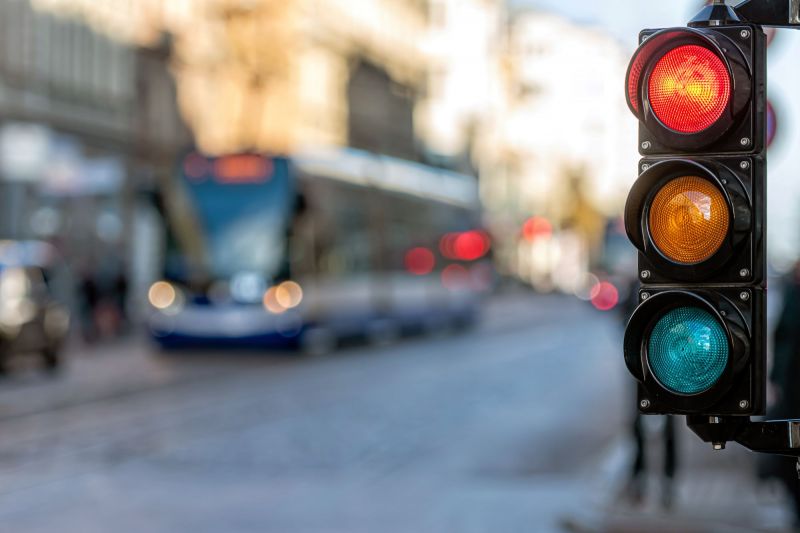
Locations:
{"points": [[743, 273], [645, 295], [744, 165], [645, 166], [645, 274], [744, 34], [744, 296], [744, 404], [646, 145], [724, 181], [744, 141], [644, 404], [723, 312], [718, 445]]}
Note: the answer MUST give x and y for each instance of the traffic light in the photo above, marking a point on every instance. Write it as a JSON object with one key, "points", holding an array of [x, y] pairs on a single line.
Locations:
{"points": [[696, 214]]}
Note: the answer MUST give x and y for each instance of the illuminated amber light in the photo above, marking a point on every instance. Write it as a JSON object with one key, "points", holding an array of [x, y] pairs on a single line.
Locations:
{"points": [[689, 219]]}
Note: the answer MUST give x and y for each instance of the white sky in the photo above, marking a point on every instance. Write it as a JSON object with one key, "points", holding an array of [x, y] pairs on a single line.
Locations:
{"points": [[625, 18], [622, 18]]}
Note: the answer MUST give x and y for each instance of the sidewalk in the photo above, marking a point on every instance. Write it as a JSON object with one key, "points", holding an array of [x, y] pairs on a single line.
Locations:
{"points": [[109, 369], [717, 491]]}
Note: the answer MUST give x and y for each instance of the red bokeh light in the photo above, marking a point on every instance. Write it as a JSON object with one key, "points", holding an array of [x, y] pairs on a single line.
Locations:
{"points": [[243, 168], [689, 88], [471, 245], [604, 296], [419, 261], [465, 246], [455, 277], [535, 228]]}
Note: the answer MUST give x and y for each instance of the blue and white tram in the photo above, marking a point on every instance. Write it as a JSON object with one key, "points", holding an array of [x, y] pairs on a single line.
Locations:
{"points": [[322, 246]]}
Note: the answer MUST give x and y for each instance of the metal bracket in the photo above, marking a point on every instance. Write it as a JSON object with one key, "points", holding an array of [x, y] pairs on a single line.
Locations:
{"points": [[780, 13], [780, 437], [715, 14]]}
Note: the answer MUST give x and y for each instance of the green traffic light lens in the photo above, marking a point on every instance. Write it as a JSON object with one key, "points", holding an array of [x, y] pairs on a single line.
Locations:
{"points": [[688, 350]]}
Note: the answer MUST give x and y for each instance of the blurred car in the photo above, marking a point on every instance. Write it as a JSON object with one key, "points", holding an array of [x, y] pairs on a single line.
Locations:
{"points": [[32, 320]]}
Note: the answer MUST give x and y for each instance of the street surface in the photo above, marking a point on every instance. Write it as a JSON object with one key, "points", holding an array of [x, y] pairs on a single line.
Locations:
{"points": [[516, 425]]}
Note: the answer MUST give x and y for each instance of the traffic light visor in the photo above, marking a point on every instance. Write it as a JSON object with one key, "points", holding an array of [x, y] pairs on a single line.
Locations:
{"points": [[688, 220], [687, 350], [689, 88]]}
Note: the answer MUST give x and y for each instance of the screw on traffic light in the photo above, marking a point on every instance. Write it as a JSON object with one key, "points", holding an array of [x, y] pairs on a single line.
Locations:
{"points": [[696, 214]]}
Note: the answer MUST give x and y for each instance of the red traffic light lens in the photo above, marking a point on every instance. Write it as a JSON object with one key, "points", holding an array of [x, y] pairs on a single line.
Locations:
{"points": [[689, 88]]}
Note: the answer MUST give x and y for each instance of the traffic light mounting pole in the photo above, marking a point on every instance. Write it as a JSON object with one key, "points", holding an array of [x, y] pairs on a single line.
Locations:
{"points": [[780, 437]]}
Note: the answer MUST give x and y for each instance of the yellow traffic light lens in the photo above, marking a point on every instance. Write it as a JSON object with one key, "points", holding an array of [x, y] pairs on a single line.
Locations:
{"points": [[689, 219]]}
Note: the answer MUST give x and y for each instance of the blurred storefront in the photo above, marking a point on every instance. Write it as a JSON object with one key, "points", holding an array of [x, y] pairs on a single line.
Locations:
{"points": [[66, 107], [85, 120]]}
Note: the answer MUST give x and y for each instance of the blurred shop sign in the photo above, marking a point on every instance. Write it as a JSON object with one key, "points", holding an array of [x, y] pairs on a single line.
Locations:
{"points": [[24, 149]]}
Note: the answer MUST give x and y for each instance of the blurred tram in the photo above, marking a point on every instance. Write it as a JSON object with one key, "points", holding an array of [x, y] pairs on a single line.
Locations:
{"points": [[309, 250]]}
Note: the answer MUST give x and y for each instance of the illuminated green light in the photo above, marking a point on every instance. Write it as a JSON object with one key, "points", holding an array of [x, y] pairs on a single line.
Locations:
{"points": [[688, 350]]}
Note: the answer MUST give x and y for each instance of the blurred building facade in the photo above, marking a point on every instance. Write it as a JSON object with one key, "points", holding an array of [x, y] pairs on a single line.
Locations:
{"points": [[561, 150], [530, 103], [465, 44], [278, 75]]}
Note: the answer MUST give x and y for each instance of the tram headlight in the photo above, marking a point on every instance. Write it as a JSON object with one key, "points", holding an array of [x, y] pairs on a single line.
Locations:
{"points": [[282, 297], [165, 297]]}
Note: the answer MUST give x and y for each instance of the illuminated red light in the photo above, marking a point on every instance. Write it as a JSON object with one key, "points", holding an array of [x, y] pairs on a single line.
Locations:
{"points": [[419, 261], [604, 296], [689, 88], [535, 228]]}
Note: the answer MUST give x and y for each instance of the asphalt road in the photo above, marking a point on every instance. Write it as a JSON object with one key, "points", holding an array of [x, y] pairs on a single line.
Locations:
{"points": [[503, 428]]}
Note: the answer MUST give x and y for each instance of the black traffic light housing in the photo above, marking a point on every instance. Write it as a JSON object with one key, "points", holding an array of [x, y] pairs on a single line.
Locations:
{"points": [[720, 67], [736, 129], [739, 390], [739, 307], [737, 259]]}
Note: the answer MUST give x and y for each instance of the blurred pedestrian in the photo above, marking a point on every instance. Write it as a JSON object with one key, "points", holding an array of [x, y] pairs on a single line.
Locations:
{"points": [[784, 376], [89, 300], [120, 291], [636, 485]]}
